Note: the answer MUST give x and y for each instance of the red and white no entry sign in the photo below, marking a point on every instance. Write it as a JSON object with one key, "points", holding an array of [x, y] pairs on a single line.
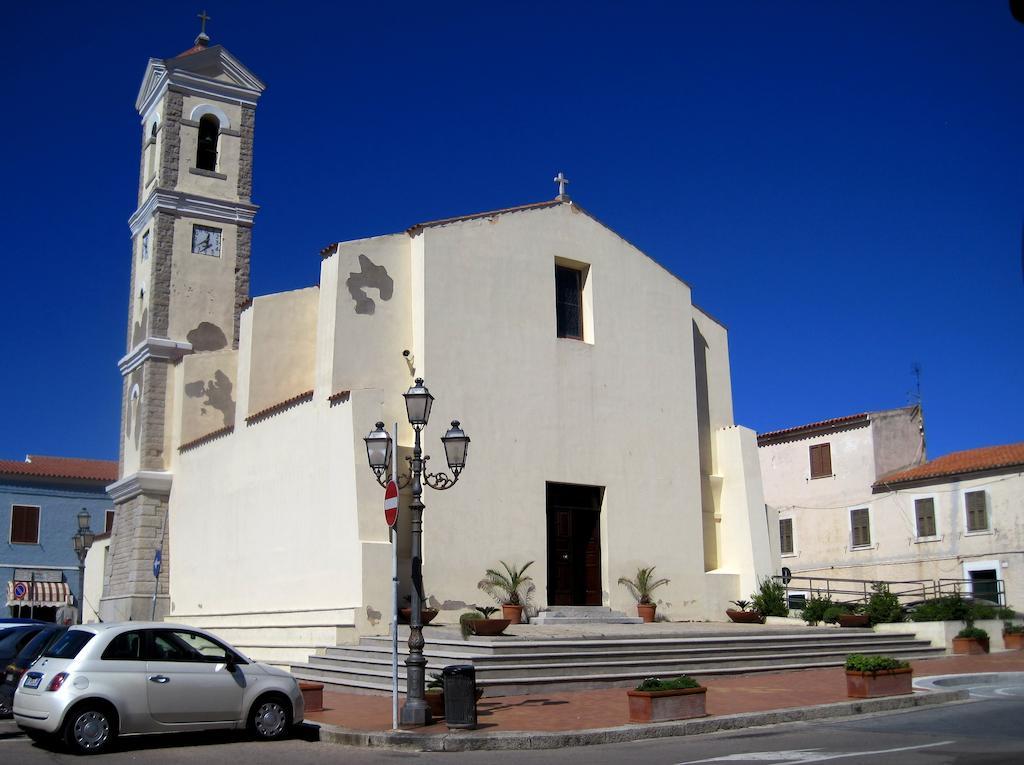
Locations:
{"points": [[391, 503]]}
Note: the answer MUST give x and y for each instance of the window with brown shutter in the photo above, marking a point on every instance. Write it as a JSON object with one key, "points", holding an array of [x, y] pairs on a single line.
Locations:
{"points": [[977, 511], [821, 461], [924, 509], [786, 536], [860, 525], [109, 525], [24, 525]]}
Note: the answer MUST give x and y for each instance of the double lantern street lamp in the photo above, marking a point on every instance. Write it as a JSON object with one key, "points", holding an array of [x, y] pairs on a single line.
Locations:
{"points": [[82, 541], [379, 451]]}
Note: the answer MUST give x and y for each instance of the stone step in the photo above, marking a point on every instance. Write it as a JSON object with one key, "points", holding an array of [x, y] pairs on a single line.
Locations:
{"points": [[555, 615], [380, 681]]}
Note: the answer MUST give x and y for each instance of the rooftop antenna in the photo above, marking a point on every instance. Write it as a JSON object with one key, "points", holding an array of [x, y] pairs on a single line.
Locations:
{"points": [[915, 395]]}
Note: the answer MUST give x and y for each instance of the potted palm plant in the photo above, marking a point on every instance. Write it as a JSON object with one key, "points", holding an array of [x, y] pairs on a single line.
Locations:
{"points": [[480, 623], [743, 614], [871, 676], [641, 587], [512, 588], [657, 700]]}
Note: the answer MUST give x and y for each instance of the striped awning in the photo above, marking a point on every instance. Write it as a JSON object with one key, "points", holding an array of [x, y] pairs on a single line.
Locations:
{"points": [[37, 593]]}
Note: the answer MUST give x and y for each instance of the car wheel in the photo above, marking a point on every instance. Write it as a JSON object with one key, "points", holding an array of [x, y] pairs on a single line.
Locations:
{"points": [[270, 718], [89, 729]]}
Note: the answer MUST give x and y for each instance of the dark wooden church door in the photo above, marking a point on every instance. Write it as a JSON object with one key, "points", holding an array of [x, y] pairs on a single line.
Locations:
{"points": [[574, 545]]}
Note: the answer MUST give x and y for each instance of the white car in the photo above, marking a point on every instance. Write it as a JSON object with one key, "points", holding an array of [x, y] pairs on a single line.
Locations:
{"points": [[98, 681]]}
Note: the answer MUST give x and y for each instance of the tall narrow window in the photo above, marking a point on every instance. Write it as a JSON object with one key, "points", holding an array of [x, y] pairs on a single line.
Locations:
{"points": [[786, 536], [24, 525], [151, 153], [977, 511], [821, 461], [206, 153], [569, 302], [108, 526], [925, 511], [860, 527], [145, 246]]}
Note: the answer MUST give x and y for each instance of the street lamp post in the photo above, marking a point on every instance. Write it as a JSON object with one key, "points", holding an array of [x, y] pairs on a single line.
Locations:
{"points": [[82, 541], [379, 448]]}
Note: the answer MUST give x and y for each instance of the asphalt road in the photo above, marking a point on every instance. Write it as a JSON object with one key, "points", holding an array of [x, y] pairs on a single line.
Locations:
{"points": [[984, 731]]}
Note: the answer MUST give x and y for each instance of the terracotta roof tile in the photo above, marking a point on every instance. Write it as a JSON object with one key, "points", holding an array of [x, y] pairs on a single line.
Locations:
{"points": [[38, 466], [959, 463], [811, 427]]}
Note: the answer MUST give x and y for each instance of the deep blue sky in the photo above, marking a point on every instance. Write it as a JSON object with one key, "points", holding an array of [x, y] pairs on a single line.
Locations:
{"points": [[840, 183]]}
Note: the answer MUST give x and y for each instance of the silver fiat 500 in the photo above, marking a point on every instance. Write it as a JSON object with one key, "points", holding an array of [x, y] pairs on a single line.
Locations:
{"points": [[99, 681]]}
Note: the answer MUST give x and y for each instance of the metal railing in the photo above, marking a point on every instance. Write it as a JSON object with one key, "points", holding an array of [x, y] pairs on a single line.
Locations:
{"points": [[910, 592]]}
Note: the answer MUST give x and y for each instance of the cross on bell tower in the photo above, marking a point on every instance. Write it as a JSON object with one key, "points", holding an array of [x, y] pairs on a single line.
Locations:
{"points": [[203, 38]]}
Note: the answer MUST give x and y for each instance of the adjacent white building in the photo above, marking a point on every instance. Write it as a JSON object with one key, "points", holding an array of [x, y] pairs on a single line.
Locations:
{"points": [[856, 499], [596, 394]]}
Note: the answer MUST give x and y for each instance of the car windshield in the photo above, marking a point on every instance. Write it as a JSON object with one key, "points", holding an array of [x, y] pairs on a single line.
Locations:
{"points": [[68, 645]]}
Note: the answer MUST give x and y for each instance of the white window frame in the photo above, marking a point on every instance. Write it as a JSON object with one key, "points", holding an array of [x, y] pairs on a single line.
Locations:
{"points": [[39, 526], [988, 510], [984, 565], [936, 537], [873, 544], [793, 528]]}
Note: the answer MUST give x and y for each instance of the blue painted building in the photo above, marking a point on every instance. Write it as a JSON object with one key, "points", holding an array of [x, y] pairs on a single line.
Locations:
{"points": [[40, 500]]}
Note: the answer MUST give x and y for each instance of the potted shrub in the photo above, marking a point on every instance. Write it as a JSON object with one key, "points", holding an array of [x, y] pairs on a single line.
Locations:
{"points": [[883, 607], [656, 700], [743, 614], [871, 676], [971, 640], [770, 598], [815, 608], [480, 624], [512, 588], [426, 614], [435, 696], [641, 588], [852, 615], [1013, 636]]}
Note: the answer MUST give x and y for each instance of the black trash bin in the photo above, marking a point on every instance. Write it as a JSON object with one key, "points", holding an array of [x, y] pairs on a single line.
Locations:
{"points": [[459, 695]]}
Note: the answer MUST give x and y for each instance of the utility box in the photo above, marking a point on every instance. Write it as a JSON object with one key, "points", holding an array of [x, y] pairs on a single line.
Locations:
{"points": [[459, 695]]}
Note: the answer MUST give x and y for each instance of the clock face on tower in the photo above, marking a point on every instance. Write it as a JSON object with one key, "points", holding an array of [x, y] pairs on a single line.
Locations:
{"points": [[206, 241]]}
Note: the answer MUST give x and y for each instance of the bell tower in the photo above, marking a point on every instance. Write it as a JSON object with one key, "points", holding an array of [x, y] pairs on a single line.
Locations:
{"points": [[191, 237]]}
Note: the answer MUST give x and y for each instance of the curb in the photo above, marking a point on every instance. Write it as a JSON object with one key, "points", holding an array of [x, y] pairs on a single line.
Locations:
{"points": [[519, 740]]}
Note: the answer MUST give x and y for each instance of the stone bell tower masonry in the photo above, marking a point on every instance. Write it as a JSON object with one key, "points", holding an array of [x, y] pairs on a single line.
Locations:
{"points": [[191, 238]]}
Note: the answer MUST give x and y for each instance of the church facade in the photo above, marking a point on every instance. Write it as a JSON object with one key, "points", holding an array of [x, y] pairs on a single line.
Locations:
{"points": [[596, 394]]}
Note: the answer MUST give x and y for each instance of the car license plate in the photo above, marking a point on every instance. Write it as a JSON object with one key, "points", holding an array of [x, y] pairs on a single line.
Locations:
{"points": [[33, 680]]}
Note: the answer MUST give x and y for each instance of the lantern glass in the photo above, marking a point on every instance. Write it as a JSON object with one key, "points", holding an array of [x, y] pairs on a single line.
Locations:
{"points": [[83, 520], [456, 445], [87, 539], [378, 448], [78, 542], [418, 402]]}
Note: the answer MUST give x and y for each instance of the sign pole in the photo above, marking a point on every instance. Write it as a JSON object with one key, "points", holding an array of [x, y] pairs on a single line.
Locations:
{"points": [[393, 533]]}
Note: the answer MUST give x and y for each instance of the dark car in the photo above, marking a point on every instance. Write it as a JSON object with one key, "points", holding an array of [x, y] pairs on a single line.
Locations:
{"points": [[17, 667], [12, 640]]}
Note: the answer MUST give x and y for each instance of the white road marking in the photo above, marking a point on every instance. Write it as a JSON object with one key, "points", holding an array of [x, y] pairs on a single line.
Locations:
{"points": [[795, 756]]}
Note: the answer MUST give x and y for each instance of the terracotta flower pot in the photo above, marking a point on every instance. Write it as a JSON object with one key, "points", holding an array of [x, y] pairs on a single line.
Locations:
{"points": [[427, 615], [659, 706], [512, 612], [488, 627], [1013, 641], [646, 611], [971, 646], [885, 682], [854, 620], [744, 617], [435, 700]]}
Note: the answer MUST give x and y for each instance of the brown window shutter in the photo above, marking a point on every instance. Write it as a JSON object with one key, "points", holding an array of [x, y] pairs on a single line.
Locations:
{"points": [[977, 517], [861, 526], [826, 459], [821, 461], [786, 536], [25, 525], [925, 511]]}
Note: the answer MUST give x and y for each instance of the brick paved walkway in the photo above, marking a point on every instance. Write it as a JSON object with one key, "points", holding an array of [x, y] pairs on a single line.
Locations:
{"points": [[578, 710]]}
